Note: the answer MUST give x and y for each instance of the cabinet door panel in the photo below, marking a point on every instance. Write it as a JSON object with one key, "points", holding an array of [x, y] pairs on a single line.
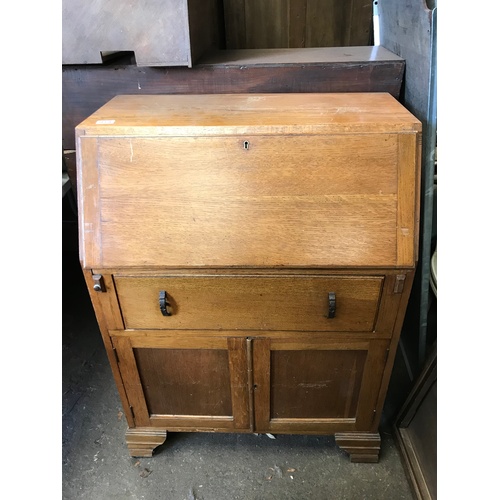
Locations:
{"points": [[175, 381], [325, 387], [328, 380], [186, 386]]}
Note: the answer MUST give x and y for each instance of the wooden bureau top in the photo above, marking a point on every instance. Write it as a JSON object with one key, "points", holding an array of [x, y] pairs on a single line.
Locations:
{"points": [[217, 114], [249, 181]]}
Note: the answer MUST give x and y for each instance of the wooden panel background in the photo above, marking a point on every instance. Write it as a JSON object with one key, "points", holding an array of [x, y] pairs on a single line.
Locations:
{"points": [[253, 24], [177, 32]]}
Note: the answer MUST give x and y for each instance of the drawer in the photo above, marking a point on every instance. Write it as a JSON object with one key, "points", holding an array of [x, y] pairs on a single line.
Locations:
{"points": [[300, 303]]}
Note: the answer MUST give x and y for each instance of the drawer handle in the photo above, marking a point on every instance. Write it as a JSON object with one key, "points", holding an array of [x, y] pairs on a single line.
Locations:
{"points": [[164, 303], [331, 304]]}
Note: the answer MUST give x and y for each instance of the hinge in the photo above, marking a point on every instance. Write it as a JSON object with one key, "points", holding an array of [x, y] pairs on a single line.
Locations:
{"points": [[399, 284], [99, 285]]}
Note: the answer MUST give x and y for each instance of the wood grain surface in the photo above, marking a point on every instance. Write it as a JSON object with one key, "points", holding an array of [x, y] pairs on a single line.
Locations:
{"points": [[250, 303], [297, 23], [216, 114], [251, 181]]}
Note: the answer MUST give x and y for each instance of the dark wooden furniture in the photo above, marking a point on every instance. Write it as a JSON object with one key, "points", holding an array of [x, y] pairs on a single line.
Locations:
{"points": [[297, 23], [249, 258], [177, 32], [159, 32], [416, 431]]}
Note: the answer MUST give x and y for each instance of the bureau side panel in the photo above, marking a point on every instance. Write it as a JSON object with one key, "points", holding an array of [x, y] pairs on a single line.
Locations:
{"points": [[109, 319], [249, 201], [89, 220], [408, 204]]}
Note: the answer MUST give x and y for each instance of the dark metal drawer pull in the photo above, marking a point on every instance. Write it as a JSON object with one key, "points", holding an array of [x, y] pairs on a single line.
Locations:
{"points": [[164, 303], [331, 304]]}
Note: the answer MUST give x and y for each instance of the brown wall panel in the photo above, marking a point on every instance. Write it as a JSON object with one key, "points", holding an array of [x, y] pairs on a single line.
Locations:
{"points": [[252, 24]]}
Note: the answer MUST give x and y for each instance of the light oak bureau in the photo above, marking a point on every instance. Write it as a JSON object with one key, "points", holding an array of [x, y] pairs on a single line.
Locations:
{"points": [[249, 258]]}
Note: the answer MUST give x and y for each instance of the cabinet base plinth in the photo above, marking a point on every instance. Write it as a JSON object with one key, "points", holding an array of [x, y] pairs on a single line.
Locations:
{"points": [[361, 446], [141, 441]]}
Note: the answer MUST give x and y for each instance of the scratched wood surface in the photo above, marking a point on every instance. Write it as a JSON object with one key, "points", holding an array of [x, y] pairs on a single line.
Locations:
{"points": [[300, 180], [85, 88]]}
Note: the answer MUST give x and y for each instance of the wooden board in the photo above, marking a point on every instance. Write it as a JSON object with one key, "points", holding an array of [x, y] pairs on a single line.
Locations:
{"points": [[254, 24], [159, 32]]}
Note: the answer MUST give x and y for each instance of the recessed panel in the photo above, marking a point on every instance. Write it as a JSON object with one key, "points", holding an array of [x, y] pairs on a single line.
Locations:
{"points": [[185, 381], [316, 384]]}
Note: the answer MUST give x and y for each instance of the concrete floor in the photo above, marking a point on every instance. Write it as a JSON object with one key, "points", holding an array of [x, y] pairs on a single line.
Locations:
{"points": [[202, 466]]}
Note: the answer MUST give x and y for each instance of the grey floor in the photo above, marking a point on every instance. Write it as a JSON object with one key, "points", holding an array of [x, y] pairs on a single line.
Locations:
{"points": [[202, 466]]}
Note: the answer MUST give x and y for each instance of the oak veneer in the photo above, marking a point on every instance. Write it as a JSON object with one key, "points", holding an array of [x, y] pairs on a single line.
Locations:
{"points": [[250, 302], [250, 259]]}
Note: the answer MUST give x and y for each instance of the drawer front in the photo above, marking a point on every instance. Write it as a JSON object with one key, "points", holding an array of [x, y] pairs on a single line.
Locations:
{"points": [[297, 303]]}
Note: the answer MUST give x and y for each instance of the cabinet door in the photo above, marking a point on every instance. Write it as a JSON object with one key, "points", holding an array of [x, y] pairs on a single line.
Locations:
{"points": [[185, 383], [306, 385]]}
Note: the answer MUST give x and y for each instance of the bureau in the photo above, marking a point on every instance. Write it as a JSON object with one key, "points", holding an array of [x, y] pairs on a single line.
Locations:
{"points": [[249, 258]]}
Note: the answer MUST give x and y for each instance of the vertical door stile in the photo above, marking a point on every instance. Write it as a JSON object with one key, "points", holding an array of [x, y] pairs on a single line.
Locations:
{"points": [[132, 381], [238, 368], [249, 347], [262, 383], [372, 379]]}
